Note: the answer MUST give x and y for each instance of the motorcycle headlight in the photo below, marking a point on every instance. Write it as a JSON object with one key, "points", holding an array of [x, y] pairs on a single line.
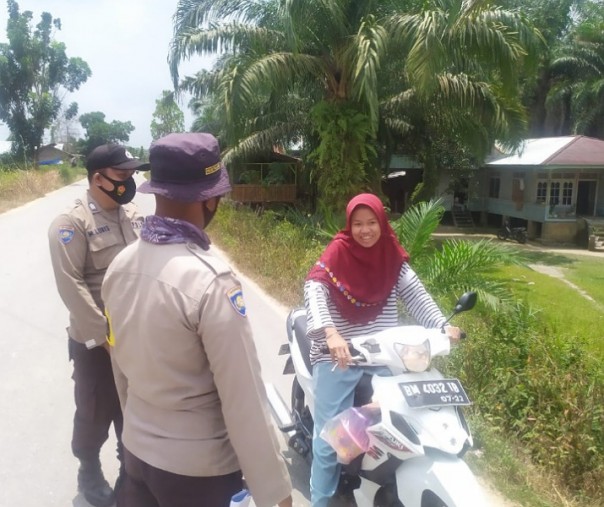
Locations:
{"points": [[415, 358]]}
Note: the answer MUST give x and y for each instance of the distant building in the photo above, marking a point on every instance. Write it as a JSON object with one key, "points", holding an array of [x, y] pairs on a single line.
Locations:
{"points": [[271, 177], [553, 185], [52, 154]]}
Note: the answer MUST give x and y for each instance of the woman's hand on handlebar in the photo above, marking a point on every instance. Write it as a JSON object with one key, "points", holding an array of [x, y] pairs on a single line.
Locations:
{"points": [[338, 348], [454, 333]]}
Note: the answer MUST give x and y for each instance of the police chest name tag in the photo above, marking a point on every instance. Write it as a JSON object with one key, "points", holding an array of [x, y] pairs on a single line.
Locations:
{"points": [[235, 296], [66, 234]]}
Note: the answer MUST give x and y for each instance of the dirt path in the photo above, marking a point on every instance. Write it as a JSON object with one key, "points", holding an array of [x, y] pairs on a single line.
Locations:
{"points": [[535, 246]]}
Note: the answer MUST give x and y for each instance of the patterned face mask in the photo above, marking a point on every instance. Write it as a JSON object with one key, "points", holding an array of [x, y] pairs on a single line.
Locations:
{"points": [[123, 190]]}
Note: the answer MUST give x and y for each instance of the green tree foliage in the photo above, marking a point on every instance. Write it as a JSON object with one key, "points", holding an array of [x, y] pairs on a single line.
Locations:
{"points": [[62, 130], [34, 72], [454, 266], [71, 111], [564, 96], [575, 100], [341, 128], [208, 118], [167, 117], [397, 63], [98, 131]]}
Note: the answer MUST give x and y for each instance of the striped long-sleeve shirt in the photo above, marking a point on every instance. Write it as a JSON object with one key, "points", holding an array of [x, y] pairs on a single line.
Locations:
{"points": [[322, 312]]}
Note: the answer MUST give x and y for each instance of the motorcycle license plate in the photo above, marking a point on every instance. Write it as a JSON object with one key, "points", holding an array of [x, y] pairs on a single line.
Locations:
{"points": [[434, 393]]}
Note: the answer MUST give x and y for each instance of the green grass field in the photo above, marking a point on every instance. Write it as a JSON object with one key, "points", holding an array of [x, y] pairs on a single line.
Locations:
{"points": [[566, 309]]}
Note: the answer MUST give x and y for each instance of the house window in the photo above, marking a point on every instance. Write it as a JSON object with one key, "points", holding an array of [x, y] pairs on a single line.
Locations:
{"points": [[567, 193], [541, 192], [554, 193], [494, 184]]}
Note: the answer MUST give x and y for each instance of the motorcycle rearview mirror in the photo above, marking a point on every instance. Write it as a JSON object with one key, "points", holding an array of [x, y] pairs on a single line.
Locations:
{"points": [[466, 302]]}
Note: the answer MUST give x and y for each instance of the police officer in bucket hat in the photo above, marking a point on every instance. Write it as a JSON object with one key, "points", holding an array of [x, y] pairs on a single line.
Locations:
{"points": [[186, 368]]}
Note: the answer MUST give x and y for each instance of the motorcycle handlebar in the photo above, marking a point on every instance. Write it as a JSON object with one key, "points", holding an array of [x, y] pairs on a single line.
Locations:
{"points": [[359, 356], [325, 350]]}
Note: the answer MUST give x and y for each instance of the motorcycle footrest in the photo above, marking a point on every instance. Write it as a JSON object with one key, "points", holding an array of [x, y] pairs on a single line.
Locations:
{"points": [[299, 444]]}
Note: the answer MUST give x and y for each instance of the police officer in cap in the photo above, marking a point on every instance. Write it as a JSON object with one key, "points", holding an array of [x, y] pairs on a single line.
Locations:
{"points": [[185, 363], [83, 241]]}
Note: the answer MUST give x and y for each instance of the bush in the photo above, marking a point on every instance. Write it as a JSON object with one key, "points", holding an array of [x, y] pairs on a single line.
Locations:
{"points": [[546, 392], [272, 248]]}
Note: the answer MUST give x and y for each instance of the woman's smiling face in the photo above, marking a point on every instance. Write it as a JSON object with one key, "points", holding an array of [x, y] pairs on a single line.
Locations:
{"points": [[365, 227]]}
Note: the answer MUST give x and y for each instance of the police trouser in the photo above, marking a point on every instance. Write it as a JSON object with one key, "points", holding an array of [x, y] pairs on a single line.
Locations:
{"points": [[96, 400], [146, 486]]}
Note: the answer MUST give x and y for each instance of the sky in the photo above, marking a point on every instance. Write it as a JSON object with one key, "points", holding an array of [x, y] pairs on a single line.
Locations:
{"points": [[126, 44]]}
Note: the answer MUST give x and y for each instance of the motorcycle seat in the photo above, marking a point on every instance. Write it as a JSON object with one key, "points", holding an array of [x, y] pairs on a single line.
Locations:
{"points": [[299, 327], [297, 321]]}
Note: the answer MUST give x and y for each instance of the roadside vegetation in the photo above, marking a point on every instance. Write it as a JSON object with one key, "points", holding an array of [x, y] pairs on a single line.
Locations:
{"points": [[19, 185], [533, 364]]}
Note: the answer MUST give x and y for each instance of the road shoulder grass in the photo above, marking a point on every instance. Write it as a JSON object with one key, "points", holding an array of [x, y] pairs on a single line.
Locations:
{"points": [[18, 186]]}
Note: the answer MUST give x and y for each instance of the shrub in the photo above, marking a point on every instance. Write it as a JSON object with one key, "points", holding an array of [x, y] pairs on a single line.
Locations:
{"points": [[546, 392], [273, 249]]}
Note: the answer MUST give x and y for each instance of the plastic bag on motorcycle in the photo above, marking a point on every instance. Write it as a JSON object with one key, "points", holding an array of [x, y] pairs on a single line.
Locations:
{"points": [[347, 431]]}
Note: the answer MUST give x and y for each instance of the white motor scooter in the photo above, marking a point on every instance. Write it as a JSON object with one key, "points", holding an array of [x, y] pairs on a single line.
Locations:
{"points": [[414, 456]]}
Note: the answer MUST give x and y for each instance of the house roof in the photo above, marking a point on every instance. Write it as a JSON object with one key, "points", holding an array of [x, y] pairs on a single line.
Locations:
{"points": [[556, 151]]}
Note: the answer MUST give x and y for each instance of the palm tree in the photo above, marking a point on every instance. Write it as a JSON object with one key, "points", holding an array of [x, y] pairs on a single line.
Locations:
{"points": [[455, 266], [576, 98], [350, 78]]}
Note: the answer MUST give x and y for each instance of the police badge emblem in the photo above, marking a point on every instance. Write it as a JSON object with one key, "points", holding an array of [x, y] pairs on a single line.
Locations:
{"points": [[66, 234], [235, 296]]}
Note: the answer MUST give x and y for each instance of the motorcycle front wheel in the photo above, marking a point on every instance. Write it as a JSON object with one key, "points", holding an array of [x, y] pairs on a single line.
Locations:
{"points": [[387, 497], [501, 234], [430, 499]]}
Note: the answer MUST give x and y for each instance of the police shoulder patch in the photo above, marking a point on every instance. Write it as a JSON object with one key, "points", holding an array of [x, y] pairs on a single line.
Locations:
{"points": [[66, 234], [235, 296]]}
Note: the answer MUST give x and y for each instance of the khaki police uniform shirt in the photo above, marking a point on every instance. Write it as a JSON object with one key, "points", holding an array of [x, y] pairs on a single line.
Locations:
{"points": [[83, 241], [187, 370]]}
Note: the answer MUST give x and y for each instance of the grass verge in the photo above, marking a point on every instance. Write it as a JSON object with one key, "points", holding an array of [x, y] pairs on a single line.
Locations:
{"points": [[19, 186], [564, 309]]}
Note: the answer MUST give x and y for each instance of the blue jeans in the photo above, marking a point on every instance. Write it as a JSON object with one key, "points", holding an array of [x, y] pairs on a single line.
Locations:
{"points": [[334, 393]]}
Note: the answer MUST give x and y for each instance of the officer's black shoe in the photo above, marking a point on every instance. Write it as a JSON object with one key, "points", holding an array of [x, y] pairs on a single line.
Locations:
{"points": [[92, 484]]}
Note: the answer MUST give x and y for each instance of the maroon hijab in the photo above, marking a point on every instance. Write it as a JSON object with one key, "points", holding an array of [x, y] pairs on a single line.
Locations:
{"points": [[360, 279]]}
